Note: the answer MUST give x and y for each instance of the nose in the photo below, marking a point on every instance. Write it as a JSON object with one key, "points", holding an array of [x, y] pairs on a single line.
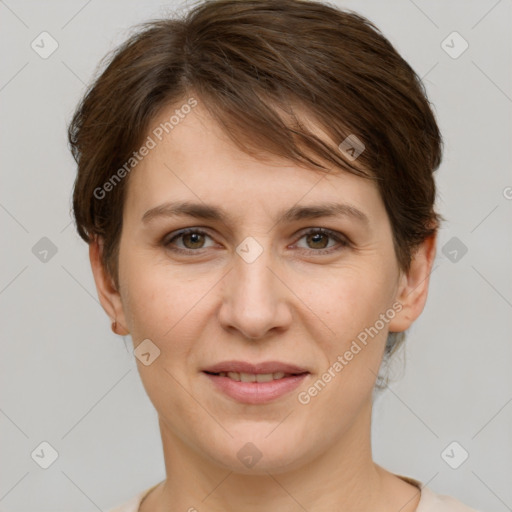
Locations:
{"points": [[255, 300]]}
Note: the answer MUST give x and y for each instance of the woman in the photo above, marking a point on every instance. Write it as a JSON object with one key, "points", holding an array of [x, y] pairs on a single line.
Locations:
{"points": [[255, 183]]}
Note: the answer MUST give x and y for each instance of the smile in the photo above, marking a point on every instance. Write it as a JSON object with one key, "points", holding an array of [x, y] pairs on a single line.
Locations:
{"points": [[254, 377], [251, 388]]}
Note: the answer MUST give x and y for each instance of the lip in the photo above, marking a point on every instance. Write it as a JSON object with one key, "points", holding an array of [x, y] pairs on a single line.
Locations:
{"points": [[263, 367], [256, 392]]}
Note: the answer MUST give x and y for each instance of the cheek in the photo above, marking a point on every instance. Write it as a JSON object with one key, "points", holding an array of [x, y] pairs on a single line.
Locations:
{"points": [[151, 292], [162, 310], [350, 299], [166, 307], [351, 307]]}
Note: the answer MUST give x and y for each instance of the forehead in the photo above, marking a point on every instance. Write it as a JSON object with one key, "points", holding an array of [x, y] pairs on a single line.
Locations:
{"points": [[196, 160]]}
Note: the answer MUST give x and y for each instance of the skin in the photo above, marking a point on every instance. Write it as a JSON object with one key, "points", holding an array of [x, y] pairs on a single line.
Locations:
{"points": [[291, 304]]}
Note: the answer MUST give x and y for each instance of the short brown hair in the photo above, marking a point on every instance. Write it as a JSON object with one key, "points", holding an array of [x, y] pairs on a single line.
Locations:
{"points": [[247, 62]]}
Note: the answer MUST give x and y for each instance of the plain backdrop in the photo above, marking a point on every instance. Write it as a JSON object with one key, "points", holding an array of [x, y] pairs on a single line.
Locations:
{"points": [[67, 380]]}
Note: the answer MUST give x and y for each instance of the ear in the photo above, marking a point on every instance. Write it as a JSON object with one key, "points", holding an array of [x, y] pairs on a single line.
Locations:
{"points": [[413, 286], [110, 298]]}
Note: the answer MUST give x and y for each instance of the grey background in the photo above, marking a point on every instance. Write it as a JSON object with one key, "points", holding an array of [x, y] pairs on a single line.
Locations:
{"points": [[66, 379]]}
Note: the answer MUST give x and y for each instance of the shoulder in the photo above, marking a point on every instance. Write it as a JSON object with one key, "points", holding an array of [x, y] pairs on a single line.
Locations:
{"points": [[432, 502], [133, 504]]}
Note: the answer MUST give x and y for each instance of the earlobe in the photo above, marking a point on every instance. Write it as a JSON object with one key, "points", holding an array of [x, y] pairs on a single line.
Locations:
{"points": [[108, 294], [413, 287]]}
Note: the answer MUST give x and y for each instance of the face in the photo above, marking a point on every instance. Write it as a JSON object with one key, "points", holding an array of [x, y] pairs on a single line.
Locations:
{"points": [[256, 273]]}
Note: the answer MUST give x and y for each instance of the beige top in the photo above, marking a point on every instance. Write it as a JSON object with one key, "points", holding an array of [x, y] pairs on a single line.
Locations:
{"points": [[429, 501]]}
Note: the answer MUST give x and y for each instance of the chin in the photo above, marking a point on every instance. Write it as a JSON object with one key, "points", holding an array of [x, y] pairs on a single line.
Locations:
{"points": [[257, 451]]}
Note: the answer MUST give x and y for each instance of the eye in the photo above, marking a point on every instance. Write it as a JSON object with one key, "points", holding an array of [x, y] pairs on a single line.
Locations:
{"points": [[318, 238], [192, 240]]}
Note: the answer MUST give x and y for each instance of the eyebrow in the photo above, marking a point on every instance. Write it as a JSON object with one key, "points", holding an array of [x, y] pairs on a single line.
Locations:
{"points": [[295, 213]]}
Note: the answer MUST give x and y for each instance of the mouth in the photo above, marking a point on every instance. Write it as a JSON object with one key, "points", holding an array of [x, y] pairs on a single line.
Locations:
{"points": [[255, 377], [255, 383]]}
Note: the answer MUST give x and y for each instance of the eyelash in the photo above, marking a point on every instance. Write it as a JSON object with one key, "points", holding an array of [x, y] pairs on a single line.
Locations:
{"points": [[332, 234]]}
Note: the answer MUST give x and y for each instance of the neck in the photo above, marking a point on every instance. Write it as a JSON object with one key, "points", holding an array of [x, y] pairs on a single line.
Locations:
{"points": [[342, 477]]}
